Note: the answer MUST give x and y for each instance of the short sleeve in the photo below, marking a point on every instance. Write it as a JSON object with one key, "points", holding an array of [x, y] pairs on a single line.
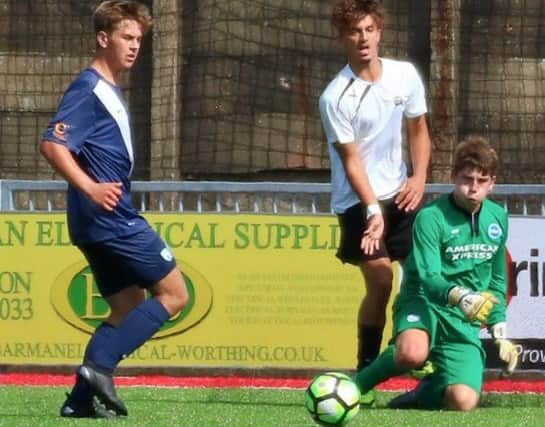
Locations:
{"points": [[75, 119], [416, 103]]}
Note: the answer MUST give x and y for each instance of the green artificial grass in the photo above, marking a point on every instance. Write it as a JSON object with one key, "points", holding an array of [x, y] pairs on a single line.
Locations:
{"points": [[209, 407]]}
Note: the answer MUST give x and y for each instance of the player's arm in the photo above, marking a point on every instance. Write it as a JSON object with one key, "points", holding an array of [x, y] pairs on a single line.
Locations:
{"points": [[419, 140], [412, 191], [498, 285], [498, 277], [496, 323], [506, 349], [487, 306], [340, 133], [428, 262], [427, 256], [356, 174], [106, 195]]}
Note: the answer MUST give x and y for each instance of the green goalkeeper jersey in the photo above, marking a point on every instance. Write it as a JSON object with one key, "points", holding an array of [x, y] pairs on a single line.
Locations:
{"points": [[453, 247]]}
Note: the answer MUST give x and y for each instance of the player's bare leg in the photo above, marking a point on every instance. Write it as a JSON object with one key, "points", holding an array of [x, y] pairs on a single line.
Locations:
{"points": [[460, 397], [378, 277], [123, 302], [171, 292], [372, 315], [412, 348]]}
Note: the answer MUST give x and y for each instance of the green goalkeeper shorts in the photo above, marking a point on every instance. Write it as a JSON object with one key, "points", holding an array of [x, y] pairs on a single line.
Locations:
{"points": [[456, 352]]}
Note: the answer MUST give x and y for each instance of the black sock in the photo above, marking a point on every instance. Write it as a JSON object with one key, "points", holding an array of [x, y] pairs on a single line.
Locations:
{"points": [[369, 340]]}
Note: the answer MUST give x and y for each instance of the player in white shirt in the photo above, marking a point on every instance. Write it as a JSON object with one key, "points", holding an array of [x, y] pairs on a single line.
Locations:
{"points": [[363, 110]]}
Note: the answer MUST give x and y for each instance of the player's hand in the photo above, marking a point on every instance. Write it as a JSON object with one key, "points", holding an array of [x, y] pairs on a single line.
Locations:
{"points": [[474, 305], [106, 194], [370, 240], [509, 354], [411, 193], [506, 349]]}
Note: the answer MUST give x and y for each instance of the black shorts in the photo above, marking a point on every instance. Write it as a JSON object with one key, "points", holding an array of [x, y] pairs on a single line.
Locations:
{"points": [[397, 239]]}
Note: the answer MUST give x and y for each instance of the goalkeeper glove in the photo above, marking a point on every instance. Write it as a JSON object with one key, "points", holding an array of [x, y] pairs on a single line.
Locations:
{"points": [[474, 305], [507, 351]]}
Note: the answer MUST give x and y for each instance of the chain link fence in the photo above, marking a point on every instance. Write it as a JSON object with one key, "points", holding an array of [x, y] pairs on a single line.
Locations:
{"points": [[229, 89]]}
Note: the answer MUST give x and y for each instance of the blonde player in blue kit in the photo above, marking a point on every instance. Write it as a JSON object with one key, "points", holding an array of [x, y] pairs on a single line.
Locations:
{"points": [[89, 143], [453, 281]]}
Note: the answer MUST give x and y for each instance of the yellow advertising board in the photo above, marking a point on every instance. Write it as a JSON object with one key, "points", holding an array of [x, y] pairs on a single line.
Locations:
{"points": [[266, 291]]}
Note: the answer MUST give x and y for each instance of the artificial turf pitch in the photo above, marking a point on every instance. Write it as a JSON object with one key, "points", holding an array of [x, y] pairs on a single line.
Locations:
{"points": [[195, 406]]}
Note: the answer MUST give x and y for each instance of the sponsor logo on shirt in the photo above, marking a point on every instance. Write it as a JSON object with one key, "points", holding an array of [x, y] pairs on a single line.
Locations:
{"points": [[494, 231], [398, 100], [412, 318], [471, 251]]}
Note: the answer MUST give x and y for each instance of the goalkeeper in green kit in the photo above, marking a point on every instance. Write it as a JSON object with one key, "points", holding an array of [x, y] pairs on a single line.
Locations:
{"points": [[454, 281]]}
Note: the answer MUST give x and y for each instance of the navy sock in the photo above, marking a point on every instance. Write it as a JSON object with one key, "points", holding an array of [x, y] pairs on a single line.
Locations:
{"points": [[81, 391], [97, 352], [110, 344]]}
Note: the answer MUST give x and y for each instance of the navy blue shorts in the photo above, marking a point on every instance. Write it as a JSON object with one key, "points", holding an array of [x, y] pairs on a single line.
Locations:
{"points": [[140, 259], [396, 243]]}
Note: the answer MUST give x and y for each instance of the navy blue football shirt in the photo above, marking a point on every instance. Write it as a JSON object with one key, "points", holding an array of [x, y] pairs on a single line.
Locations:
{"points": [[93, 123]]}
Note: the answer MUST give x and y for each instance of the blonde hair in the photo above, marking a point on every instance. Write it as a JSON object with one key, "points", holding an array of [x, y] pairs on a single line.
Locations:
{"points": [[109, 14]]}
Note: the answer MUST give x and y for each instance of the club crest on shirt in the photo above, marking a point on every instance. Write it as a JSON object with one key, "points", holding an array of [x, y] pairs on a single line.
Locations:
{"points": [[59, 131], [166, 254], [494, 231], [412, 318]]}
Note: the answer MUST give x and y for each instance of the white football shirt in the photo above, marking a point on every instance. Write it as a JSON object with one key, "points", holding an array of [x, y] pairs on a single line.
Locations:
{"points": [[370, 114]]}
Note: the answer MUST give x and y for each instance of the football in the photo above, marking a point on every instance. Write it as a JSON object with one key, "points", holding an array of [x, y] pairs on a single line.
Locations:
{"points": [[332, 399]]}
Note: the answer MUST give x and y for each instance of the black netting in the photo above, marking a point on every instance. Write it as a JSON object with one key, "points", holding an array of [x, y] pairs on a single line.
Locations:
{"points": [[251, 73]]}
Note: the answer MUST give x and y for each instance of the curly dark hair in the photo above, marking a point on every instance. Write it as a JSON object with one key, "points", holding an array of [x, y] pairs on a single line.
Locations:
{"points": [[346, 12]]}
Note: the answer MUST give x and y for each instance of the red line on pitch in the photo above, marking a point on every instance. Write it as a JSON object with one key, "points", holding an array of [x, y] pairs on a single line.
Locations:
{"points": [[394, 384]]}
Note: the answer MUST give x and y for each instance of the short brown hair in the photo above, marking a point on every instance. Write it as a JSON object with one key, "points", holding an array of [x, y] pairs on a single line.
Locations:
{"points": [[109, 14], [346, 12], [474, 152]]}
